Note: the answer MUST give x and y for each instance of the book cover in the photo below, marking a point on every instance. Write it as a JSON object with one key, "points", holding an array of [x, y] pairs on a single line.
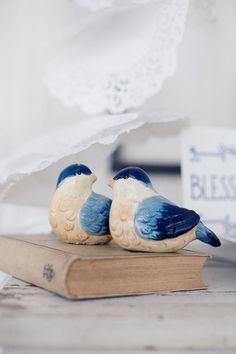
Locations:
{"points": [[77, 272]]}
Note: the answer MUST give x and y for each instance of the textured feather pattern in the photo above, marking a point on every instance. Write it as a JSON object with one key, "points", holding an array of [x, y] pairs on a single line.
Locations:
{"points": [[124, 234], [64, 212], [94, 215], [158, 219]]}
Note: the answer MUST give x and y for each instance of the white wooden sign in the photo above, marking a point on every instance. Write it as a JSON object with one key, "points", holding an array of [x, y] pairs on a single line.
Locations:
{"points": [[209, 177]]}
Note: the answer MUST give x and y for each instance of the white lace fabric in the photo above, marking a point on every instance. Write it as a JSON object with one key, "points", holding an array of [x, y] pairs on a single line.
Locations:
{"points": [[99, 71], [96, 5], [117, 72], [19, 170]]}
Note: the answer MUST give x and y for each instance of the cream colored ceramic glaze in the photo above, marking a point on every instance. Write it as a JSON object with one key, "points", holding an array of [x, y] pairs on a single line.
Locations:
{"points": [[64, 211], [127, 195]]}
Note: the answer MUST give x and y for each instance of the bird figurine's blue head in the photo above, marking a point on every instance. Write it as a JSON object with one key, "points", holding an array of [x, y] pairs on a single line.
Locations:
{"points": [[76, 171], [132, 173]]}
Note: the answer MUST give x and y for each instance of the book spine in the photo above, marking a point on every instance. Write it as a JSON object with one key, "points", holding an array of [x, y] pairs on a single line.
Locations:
{"points": [[35, 264]]}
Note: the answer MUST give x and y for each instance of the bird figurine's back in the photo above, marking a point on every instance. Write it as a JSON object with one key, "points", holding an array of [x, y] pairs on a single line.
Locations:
{"points": [[142, 220], [77, 214]]}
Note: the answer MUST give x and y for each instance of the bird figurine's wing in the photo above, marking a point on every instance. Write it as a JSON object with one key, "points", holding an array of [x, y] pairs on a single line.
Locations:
{"points": [[94, 215], [157, 219]]}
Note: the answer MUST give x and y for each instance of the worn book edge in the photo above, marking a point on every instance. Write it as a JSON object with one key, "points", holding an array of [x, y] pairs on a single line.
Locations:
{"points": [[56, 275]]}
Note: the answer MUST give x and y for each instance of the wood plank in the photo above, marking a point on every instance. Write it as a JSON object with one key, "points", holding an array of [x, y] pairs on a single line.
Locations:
{"points": [[35, 319]]}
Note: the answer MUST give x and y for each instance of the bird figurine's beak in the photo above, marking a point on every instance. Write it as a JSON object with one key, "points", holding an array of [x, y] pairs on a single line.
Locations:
{"points": [[111, 183], [93, 178]]}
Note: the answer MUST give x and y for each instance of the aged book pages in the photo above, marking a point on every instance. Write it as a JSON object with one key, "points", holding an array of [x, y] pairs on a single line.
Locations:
{"points": [[76, 271]]}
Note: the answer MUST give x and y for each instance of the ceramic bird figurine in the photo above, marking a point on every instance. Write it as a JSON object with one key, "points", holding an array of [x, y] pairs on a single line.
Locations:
{"points": [[77, 214], [142, 220]]}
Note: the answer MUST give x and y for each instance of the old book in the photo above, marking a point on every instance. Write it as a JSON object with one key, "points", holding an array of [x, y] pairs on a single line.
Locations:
{"points": [[79, 272]]}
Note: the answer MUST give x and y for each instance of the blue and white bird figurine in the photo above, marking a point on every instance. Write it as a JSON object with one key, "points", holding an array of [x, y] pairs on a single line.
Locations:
{"points": [[77, 214], [143, 220]]}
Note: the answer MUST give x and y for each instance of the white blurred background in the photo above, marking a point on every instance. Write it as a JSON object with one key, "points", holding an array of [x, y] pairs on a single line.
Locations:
{"points": [[202, 89]]}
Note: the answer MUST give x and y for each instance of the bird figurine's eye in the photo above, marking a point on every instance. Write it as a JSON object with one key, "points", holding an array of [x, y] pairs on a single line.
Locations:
{"points": [[126, 176], [78, 173]]}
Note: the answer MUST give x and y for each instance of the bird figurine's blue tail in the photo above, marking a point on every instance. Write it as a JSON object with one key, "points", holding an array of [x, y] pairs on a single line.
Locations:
{"points": [[206, 235]]}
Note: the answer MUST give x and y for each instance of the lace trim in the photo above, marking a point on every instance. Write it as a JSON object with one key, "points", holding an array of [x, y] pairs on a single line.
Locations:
{"points": [[124, 90]]}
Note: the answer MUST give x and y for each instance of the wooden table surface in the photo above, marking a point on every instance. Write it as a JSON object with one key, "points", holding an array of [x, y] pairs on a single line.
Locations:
{"points": [[33, 320]]}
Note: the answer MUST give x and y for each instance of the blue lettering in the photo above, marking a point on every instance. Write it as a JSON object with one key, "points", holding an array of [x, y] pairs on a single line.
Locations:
{"points": [[196, 188], [213, 187]]}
